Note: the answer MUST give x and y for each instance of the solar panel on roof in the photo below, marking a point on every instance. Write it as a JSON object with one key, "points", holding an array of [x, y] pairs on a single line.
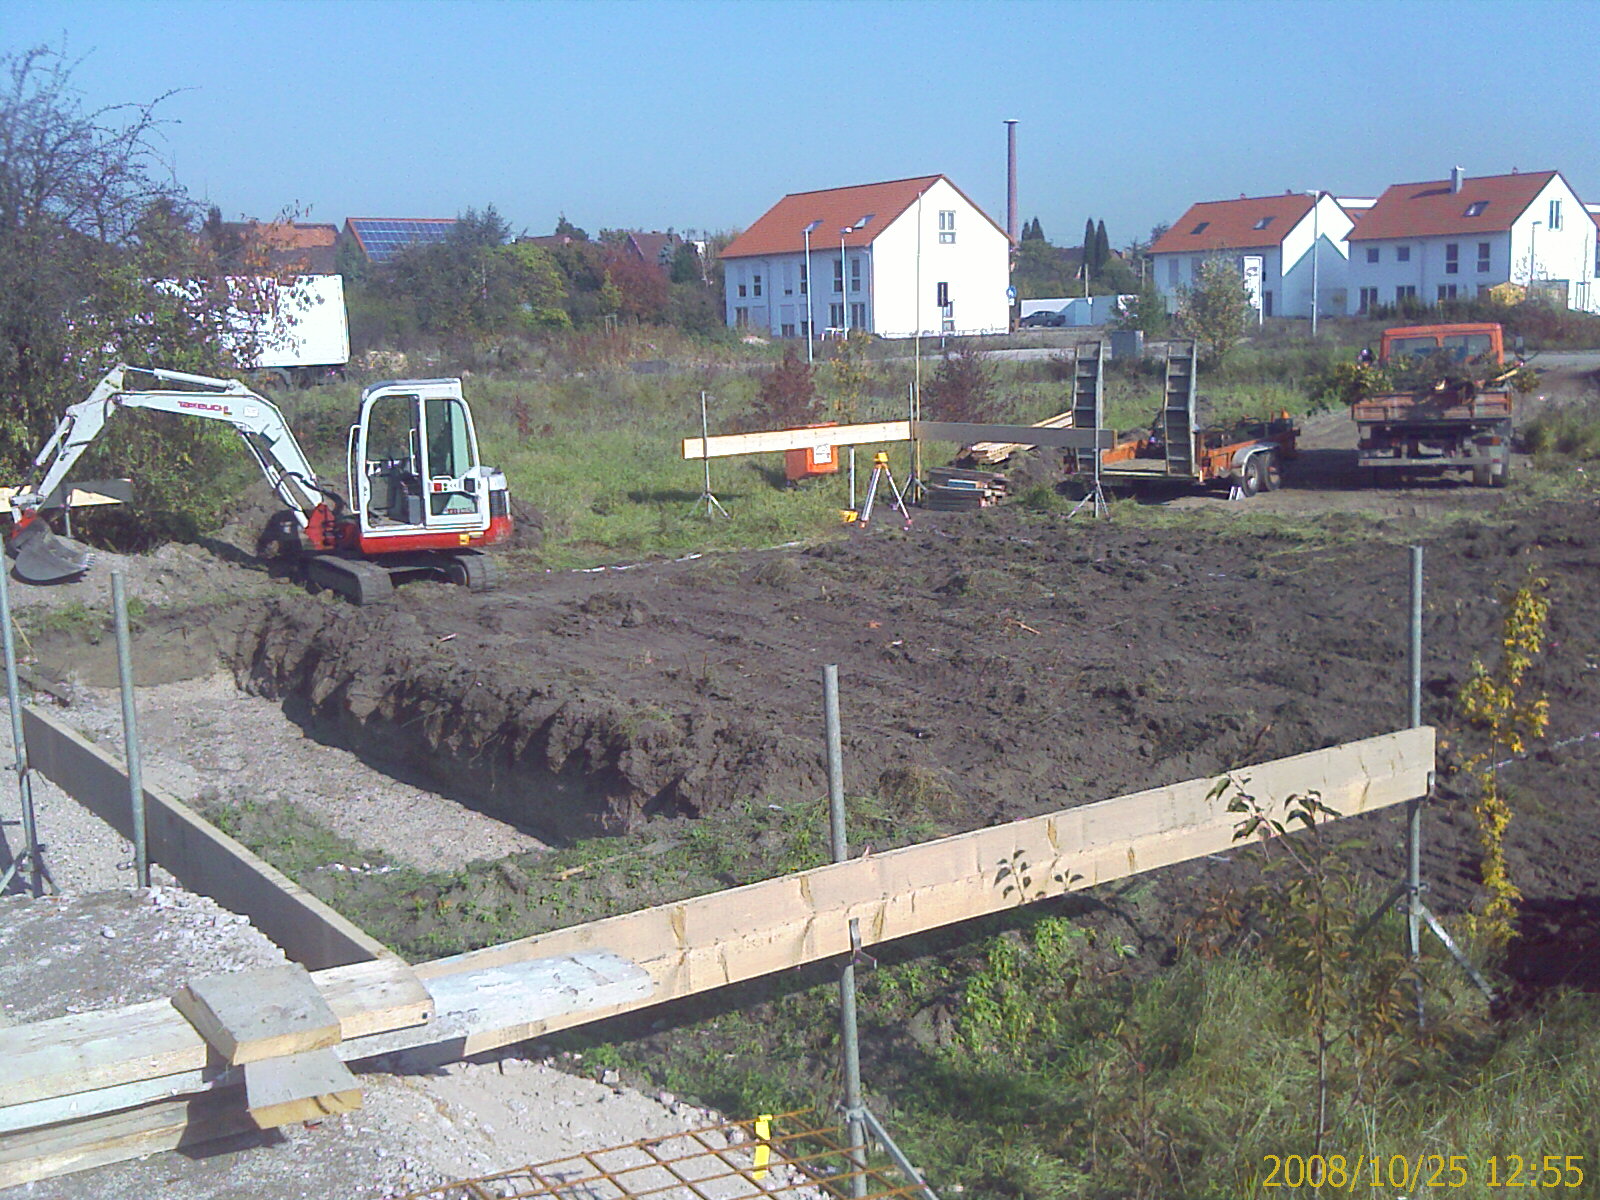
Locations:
{"points": [[382, 239]]}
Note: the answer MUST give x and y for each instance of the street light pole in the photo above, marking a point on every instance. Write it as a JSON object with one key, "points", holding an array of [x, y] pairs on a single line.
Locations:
{"points": [[844, 289], [1316, 245], [811, 321], [1533, 256]]}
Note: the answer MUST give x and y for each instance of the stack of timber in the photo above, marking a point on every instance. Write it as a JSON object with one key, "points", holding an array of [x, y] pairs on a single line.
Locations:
{"points": [[981, 454], [952, 489]]}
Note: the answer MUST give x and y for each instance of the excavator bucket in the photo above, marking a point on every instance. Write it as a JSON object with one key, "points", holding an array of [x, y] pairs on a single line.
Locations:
{"points": [[42, 557]]}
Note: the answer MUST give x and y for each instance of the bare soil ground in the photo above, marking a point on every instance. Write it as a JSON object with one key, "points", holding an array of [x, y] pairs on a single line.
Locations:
{"points": [[994, 665]]}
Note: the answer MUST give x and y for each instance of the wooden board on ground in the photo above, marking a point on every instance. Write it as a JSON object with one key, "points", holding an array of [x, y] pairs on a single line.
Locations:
{"points": [[89, 494], [247, 1016], [996, 452], [299, 1087]]}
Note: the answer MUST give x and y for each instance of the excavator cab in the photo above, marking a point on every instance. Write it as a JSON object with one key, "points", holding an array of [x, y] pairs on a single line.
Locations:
{"points": [[416, 482]]}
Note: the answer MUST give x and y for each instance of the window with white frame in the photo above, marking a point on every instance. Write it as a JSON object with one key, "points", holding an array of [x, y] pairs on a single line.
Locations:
{"points": [[755, 284], [1452, 258], [1447, 291], [788, 279], [741, 318], [1172, 272], [838, 275], [1483, 258], [836, 315], [742, 292], [1406, 291], [855, 274], [858, 315], [804, 282], [947, 225], [1555, 213], [1369, 299]]}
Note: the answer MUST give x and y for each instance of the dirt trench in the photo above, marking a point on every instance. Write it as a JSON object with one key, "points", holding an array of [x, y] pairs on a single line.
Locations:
{"points": [[993, 665]]}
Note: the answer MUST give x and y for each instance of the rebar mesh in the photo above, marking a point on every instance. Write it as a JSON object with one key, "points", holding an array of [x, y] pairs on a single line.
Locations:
{"points": [[788, 1155]]}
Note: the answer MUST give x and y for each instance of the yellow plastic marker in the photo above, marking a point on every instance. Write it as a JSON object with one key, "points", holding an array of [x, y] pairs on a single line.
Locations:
{"points": [[763, 1150]]}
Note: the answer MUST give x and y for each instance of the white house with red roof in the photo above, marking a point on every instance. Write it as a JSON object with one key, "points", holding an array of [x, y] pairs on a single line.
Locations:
{"points": [[1274, 234], [1456, 238], [898, 258]]}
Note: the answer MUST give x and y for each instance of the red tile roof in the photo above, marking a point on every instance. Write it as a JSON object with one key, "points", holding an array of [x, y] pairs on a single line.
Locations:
{"points": [[292, 245], [779, 229], [1431, 209], [1233, 224]]}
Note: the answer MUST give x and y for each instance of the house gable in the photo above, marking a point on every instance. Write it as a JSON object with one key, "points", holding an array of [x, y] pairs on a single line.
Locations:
{"points": [[1485, 204]]}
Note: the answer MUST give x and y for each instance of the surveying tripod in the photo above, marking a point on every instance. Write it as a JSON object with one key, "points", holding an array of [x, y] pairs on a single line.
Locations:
{"points": [[880, 471]]}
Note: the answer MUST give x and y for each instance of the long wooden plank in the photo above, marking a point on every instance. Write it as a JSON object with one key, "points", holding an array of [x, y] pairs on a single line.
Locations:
{"points": [[86, 1052], [79, 1145], [965, 432], [727, 937], [768, 441], [247, 1016], [202, 857], [88, 495]]}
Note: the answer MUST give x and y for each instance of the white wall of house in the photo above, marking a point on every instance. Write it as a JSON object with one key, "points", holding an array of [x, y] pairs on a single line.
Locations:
{"points": [[1329, 225], [891, 287], [1285, 289], [1382, 271], [1561, 247], [912, 258]]}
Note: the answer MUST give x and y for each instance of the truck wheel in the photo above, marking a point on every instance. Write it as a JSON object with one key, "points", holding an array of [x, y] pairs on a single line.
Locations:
{"points": [[1500, 472]]}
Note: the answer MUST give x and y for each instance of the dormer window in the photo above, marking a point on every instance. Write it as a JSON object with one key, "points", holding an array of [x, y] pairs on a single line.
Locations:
{"points": [[1263, 223], [1200, 228], [1475, 209], [862, 224]]}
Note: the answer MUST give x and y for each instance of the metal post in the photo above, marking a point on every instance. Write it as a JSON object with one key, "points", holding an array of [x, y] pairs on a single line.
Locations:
{"points": [[30, 828], [852, 477], [811, 319], [853, 1109], [130, 730], [1414, 807], [1316, 245], [844, 288], [712, 504]]}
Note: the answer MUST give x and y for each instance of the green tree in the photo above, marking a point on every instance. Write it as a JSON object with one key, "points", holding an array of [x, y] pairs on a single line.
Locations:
{"points": [[565, 228], [1102, 249], [89, 219], [1088, 248], [1147, 311], [1214, 308]]}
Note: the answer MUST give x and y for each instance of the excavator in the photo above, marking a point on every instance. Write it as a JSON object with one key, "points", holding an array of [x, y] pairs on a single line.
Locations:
{"points": [[421, 504]]}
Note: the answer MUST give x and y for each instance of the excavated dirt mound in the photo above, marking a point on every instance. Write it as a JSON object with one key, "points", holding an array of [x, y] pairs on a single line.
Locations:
{"points": [[993, 665]]}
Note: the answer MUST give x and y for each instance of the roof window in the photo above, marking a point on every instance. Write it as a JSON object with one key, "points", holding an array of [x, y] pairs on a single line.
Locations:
{"points": [[1200, 228], [1475, 209], [1263, 223], [862, 224]]}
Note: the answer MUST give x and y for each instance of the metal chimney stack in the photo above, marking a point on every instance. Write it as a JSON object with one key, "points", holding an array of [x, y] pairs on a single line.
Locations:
{"points": [[1457, 179], [1011, 182]]}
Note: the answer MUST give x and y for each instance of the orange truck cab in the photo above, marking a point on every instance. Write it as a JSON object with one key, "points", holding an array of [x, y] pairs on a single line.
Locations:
{"points": [[1482, 343]]}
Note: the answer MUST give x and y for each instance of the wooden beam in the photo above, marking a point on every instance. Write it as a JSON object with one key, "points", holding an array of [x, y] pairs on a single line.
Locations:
{"points": [[79, 1145], [964, 433], [993, 452], [769, 441], [961, 432], [203, 858], [247, 1016], [299, 1087], [86, 495], [88, 1052], [709, 941]]}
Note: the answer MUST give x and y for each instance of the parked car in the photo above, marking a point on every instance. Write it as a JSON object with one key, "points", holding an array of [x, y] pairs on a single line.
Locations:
{"points": [[1044, 319]]}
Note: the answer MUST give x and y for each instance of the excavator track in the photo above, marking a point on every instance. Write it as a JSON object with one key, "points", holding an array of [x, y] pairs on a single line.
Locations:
{"points": [[360, 583]]}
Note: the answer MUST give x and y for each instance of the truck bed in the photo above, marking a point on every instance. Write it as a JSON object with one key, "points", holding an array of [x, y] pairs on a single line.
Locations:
{"points": [[1400, 408]]}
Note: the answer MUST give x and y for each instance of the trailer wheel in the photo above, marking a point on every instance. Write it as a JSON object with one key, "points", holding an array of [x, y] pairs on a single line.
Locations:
{"points": [[1500, 472], [1268, 475]]}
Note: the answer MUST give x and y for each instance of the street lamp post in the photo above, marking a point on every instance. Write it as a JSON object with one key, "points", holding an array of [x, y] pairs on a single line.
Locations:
{"points": [[844, 288], [811, 322], [1533, 256], [1316, 245]]}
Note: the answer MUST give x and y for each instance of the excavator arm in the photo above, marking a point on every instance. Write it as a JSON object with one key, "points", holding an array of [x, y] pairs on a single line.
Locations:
{"points": [[258, 421]]}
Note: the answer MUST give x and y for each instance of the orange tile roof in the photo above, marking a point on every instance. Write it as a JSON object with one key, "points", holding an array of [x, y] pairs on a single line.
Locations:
{"points": [[1431, 209], [779, 231], [1233, 224]]}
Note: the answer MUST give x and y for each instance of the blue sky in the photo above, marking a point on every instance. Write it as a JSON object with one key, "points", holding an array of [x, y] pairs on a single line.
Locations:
{"points": [[700, 115]]}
